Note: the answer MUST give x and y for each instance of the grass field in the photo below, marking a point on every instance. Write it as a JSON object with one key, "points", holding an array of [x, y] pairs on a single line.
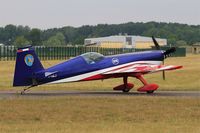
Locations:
{"points": [[124, 114], [183, 79], [100, 114]]}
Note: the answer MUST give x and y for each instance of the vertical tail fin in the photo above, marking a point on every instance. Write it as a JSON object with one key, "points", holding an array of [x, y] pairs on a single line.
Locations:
{"points": [[27, 63]]}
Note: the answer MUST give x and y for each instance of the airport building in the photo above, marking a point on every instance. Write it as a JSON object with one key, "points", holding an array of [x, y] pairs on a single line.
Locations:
{"points": [[123, 41], [196, 48]]}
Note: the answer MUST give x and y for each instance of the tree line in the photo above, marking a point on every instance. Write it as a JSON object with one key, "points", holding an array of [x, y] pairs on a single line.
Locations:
{"points": [[177, 34]]}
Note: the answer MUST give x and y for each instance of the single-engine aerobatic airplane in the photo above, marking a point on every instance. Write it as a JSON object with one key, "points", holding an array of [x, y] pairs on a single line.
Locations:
{"points": [[92, 66]]}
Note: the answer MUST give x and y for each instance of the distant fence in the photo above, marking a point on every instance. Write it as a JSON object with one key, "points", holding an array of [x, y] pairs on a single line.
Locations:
{"points": [[56, 53]]}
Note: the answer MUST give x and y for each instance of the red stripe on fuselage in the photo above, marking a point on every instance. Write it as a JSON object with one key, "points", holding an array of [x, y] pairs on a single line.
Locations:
{"points": [[95, 77], [129, 66]]}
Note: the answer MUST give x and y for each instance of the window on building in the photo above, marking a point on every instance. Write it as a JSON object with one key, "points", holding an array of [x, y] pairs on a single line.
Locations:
{"points": [[129, 40]]}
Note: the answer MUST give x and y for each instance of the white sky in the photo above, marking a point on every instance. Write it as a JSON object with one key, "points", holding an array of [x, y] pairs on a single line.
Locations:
{"points": [[58, 13]]}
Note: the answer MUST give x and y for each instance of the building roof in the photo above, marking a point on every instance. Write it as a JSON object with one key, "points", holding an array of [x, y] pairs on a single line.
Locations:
{"points": [[196, 44], [119, 38], [128, 41]]}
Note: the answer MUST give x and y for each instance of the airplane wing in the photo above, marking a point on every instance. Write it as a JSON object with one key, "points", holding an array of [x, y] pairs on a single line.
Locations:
{"points": [[143, 69]]}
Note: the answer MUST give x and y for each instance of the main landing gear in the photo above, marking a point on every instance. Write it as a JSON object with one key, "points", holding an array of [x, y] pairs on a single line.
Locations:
{"points": [[126, 87]]}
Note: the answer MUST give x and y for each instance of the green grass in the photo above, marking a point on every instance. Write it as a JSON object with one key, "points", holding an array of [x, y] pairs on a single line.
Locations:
{"points": [[183, 79], [100, 114]]}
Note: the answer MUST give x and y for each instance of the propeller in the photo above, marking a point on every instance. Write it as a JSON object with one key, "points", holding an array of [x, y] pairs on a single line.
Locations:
{"points": [[167, 53]]}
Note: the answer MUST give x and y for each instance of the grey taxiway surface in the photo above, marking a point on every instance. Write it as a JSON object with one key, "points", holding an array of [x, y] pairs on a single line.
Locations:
{"points": [[50, 93]]}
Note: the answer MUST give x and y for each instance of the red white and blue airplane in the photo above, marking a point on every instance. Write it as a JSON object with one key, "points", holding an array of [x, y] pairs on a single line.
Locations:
{"points": [[92, 66]]}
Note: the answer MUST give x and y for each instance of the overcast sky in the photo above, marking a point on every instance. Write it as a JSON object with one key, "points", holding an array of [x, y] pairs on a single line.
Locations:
{"points": [[58, 13]]}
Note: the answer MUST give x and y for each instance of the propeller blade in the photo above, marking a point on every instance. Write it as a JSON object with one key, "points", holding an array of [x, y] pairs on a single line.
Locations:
{"points": [[158, 48], [156, 43], [163, 74]]}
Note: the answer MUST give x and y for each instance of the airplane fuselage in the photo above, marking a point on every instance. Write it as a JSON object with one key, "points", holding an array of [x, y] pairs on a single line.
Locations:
{"points": [[80, 69]]}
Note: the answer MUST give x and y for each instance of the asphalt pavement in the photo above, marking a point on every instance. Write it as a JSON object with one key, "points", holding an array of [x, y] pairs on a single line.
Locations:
{"points": [[57, 93]]}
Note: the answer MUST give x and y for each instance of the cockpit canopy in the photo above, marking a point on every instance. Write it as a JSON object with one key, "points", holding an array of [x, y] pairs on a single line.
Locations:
{"points": [[92, 57]]}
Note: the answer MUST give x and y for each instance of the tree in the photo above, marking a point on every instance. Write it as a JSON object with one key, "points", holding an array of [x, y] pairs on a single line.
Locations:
{"points": [[35, 37], [23, 30], [9, 34], [21, 41], [57, 40], [172, 31]]}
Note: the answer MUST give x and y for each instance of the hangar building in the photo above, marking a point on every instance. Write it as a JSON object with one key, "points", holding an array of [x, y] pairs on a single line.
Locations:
{"points": [[126, 41], [196, 48]]}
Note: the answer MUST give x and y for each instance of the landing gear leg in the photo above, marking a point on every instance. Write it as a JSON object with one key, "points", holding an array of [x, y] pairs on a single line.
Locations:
{"points": [[125, 80], [149, 88], [125, 87], [142, 79]]}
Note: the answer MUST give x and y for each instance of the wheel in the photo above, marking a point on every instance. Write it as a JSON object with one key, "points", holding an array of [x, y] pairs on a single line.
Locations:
{"points": [[150, 92], [125, 90], [22, 92]]}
